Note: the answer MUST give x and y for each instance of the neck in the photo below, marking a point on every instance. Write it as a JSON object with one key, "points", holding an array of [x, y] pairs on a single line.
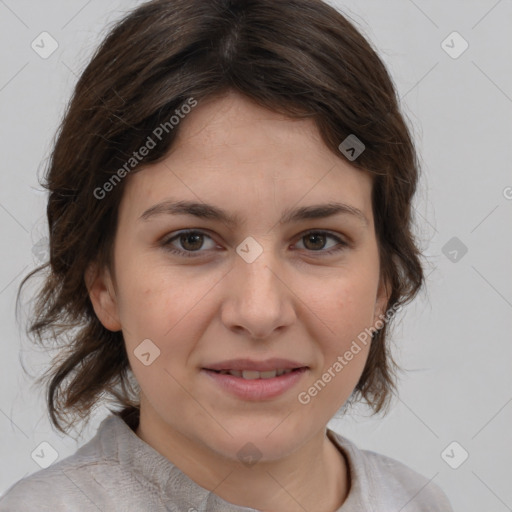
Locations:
{"points": [[314, 477]]}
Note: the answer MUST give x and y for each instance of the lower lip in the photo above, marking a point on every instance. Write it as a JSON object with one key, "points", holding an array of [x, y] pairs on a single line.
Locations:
{"points": [[256, 389]]}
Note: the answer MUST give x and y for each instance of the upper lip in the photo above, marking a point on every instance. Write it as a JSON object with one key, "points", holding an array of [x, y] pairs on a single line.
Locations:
{"points": [[251, 364]]}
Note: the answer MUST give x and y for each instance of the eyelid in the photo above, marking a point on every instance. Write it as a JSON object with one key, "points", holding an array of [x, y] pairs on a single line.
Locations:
{"points": [[342, 242]]}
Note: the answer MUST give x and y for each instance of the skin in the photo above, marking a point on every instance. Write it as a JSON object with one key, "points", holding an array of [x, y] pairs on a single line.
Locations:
{"points": [[294, 301]]}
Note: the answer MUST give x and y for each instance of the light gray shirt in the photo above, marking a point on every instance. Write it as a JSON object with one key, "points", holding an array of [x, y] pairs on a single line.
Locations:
{"points": [[118, 471]]}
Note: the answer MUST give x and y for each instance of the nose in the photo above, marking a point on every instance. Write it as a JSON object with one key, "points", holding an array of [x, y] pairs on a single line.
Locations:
{"points": [[258, 298]]}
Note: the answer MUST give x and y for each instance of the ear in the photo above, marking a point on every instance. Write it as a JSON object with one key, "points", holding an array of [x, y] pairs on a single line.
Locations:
{"points": [[103, 297], [381, 302]]}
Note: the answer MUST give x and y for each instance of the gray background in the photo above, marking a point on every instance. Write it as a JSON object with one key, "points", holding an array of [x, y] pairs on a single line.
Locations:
{"points": [[454, 341]]}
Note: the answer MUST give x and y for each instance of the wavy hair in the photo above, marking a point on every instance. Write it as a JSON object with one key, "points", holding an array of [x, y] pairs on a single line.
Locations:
{"points": [[301, 58]]}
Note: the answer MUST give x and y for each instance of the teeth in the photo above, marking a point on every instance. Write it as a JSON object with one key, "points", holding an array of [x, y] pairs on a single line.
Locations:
{"points": [[250, 374], [236, 373], [253, 374]]}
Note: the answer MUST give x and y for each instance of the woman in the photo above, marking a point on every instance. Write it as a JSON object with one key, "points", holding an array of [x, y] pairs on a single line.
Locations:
{"points": [[230, 236]]}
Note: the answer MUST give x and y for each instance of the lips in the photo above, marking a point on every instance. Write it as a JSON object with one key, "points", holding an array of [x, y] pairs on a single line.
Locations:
{"points": [[248, 379], [254, 374], [250, 365], [255, 386]]}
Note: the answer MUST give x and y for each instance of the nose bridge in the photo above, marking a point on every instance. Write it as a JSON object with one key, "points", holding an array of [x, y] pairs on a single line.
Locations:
{"points": [[259, 302], [256, 270]]}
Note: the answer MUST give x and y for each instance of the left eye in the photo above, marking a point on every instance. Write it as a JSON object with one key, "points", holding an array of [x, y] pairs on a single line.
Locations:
{"points": [[316, 238], [191, 241]]}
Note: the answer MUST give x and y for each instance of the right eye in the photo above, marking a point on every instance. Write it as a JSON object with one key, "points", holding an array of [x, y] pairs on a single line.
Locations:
{"points": [[190, 240]]}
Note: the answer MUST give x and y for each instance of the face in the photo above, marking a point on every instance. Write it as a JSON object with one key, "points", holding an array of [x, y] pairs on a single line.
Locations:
{"points": [[267, 288]]}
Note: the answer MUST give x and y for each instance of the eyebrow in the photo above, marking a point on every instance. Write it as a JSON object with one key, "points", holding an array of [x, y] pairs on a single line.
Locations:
{"points": [[211, 212]]}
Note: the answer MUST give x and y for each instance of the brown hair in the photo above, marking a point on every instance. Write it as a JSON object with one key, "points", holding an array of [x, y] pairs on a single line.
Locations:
{"points": [[301, 58]]}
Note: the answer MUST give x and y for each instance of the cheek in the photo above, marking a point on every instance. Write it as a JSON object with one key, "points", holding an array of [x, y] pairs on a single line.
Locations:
{"points": [[347, 304], [153, 296], [347, 308], [170, 308], [162, 310]]}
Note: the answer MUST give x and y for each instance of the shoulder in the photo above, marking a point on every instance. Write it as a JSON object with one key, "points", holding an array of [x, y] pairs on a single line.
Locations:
{"points": [[69, 482], [74, 483], [411, 490], [382, 483]]}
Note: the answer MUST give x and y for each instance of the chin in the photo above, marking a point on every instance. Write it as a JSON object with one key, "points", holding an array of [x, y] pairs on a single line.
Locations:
{"points": [[267, 440]]}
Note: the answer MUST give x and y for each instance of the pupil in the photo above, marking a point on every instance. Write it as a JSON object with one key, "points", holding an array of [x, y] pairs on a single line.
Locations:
{"points": [[316, 236], [195, 238]]}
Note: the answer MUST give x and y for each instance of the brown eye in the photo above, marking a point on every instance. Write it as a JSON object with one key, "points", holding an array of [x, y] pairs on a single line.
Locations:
{"points": [[188, 243], [191, 241], [315, 241]]}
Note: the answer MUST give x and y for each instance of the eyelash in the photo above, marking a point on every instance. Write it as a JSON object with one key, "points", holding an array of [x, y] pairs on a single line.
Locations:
{"points": [[193, 254]]}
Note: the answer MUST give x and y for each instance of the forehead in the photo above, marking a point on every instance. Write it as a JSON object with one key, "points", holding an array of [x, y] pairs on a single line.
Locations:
{"points": [[232, 153]]}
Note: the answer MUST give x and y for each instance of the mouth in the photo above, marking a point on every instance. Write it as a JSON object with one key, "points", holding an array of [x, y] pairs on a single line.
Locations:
{"points": [[251, 380], [254, 374]]}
